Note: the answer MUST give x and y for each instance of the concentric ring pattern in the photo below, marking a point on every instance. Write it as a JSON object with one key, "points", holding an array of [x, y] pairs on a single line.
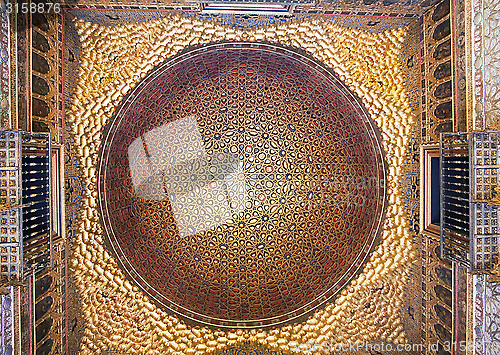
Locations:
{"points": [[241, 185]]}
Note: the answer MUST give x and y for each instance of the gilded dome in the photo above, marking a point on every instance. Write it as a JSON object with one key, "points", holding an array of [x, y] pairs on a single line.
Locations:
{"points": [[241, 185]]}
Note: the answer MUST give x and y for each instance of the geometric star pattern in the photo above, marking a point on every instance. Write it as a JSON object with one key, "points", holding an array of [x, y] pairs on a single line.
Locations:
{"points": [[314, 187]]}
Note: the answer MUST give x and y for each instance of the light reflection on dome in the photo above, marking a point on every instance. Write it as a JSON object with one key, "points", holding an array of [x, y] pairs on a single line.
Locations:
{"points": [[171, 162]]}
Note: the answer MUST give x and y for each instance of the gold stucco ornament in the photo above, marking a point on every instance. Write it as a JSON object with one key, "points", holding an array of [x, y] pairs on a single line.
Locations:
{"points": [[117, 315]]}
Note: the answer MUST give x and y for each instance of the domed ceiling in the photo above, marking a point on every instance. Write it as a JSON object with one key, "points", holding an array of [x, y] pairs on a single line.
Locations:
{"points": [[241, 185]]}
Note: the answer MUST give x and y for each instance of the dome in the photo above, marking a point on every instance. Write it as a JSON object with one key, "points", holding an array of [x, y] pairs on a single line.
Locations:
{"points": [[241, 185]]}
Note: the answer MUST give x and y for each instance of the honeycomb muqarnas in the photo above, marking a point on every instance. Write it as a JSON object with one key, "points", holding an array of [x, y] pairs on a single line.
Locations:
{"points": [[117, 314]]}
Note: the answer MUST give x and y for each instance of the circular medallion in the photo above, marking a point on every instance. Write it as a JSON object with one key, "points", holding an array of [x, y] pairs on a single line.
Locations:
{"points": [[241, 185]]}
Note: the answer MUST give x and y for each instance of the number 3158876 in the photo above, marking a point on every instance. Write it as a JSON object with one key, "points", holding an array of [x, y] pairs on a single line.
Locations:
{"points": [[32, 8]]}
